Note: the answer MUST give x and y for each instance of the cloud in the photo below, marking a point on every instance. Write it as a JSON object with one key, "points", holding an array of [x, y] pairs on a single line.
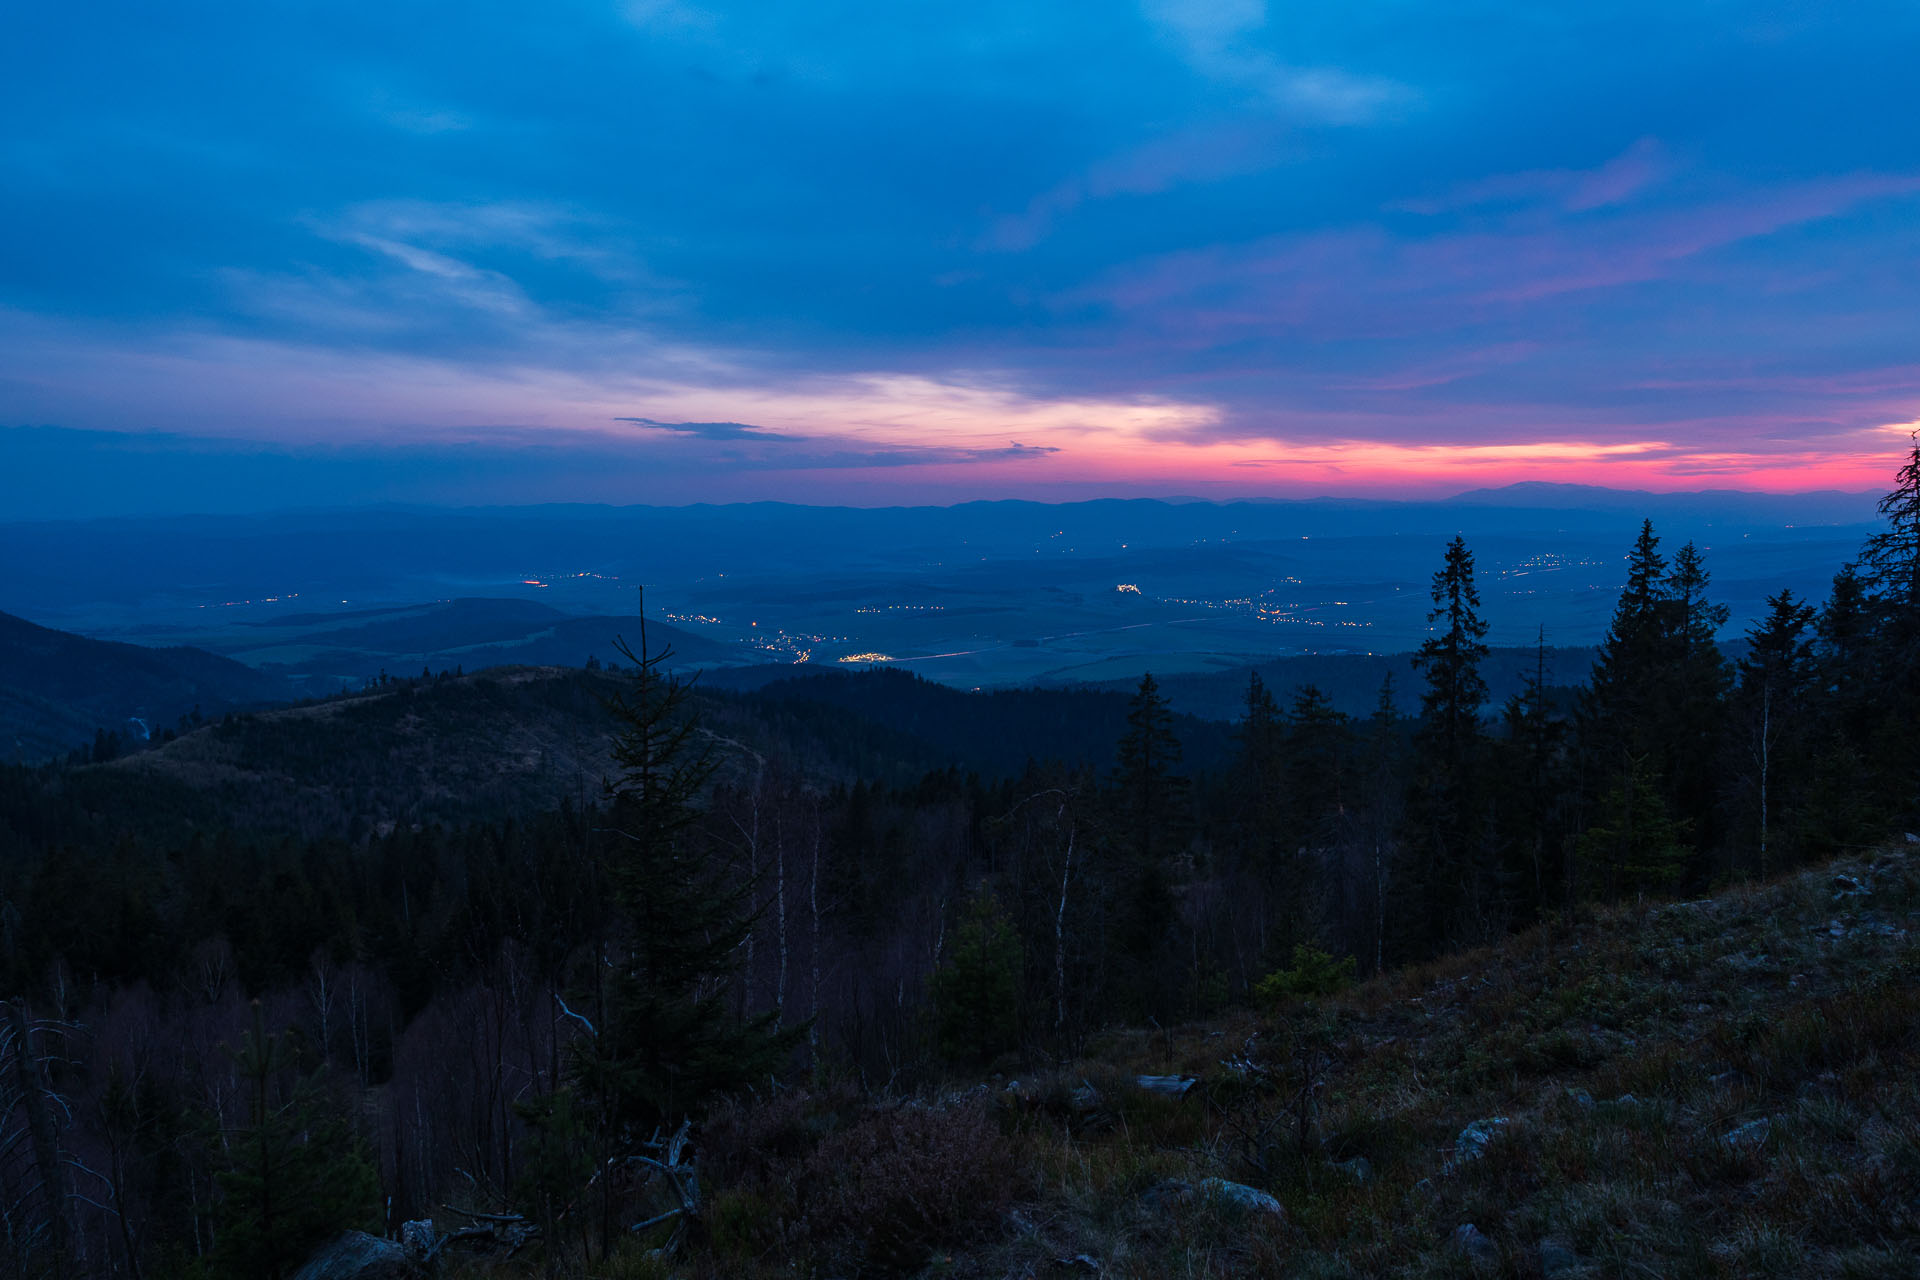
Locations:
{"points": [[712, 430], [889, 458], [1162, 245], [1628, 174], [1368, 280], [1216, 38], [829, 451], [1202, 153]]}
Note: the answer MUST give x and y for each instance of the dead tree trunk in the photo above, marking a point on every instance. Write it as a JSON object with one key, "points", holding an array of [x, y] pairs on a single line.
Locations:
{"points": [[45, 1138]]}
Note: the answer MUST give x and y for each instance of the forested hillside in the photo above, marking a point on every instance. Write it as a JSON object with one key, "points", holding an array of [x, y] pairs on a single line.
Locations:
{"points": [[345, 964], [58, 691]]}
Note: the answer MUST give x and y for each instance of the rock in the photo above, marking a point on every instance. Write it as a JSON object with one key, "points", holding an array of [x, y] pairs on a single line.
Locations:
{"points": [[1476, 1137], [1750, 1134], [1912, 838], [419, 1239], [1557, 1257], [1581, 1099], [355, 1255], [1845, 886], [1241, 1196], [1468, 1239], [1173, 1086], [1360, 1169]]}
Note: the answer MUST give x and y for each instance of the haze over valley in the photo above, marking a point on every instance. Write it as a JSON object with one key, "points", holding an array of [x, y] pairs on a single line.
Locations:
{"points": [[982, 595]]}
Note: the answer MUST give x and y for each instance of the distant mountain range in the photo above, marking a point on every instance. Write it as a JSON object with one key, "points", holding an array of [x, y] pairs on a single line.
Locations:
{"points": [[1817, 506]]}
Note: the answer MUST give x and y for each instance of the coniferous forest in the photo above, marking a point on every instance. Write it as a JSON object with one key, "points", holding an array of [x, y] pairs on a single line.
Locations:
{"points": [[729, 1010]]}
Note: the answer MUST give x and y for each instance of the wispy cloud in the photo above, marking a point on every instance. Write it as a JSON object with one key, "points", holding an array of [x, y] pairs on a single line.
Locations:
{"points": [[1216, 38], [712, 430], [1640, 167]]}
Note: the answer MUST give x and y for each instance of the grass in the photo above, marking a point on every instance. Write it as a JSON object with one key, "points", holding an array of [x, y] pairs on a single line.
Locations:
{"points": [[1622, 1054]]}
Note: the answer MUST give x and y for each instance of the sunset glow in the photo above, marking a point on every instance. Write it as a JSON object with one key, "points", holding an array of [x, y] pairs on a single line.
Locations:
{"points": [[1216, 252]]}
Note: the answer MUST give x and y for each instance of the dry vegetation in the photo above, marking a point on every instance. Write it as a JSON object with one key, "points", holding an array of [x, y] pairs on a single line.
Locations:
{"points": [[1717, 1088]]}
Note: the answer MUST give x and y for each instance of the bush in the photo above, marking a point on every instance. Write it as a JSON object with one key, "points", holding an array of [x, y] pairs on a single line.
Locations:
{"points": [[886, 1191], [1313, 973]]}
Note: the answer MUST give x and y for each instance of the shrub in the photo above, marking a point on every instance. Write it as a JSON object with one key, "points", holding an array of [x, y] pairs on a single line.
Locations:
{"points": [[887, 1190], [1313, 973]]}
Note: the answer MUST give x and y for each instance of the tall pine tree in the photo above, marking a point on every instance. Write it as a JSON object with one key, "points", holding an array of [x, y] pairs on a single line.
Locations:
{"points": [[1153, 823], [1772, 724], [1456, 867], [669, 1041], [1263, 838]]}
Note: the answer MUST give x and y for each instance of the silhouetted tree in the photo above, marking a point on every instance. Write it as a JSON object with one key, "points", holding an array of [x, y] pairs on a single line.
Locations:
{"points": [[1454, 869], [976, 988], [1531, 786], [1153, 823], [668, 1042], [1771, 717], [295, 1173]]}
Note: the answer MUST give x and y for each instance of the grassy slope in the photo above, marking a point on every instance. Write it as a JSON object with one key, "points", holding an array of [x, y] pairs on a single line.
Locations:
{"points": [[1621, 1053], [1681, 1021]]}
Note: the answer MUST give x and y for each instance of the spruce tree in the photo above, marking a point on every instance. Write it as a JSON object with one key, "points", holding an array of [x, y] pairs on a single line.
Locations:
{"points": [[669, 1043], [1263, 837], [1636, 845], [1152, 794], [1319, 750], [296, 1175], [1153, 823], [1617, 707], [1890, 560], [1771, 718], [1456, 865], [1689, 715], [1531, 788], [1379, 813], [1653, 710], [1891, 557], [976, 989]]}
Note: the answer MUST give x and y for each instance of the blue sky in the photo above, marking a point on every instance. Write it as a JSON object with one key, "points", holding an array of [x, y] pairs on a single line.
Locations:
{"points": [[928, 252]]}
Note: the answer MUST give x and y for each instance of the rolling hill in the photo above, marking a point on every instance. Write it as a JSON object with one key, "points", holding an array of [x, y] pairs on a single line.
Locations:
{"points": [[57, 689]]}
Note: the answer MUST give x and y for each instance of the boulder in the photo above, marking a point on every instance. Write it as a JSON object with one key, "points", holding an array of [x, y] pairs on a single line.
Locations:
{"points": [[1469, 1240], [1242, 1196], [419, 1239], [1473, 1141], [355, 1255], [1173, 1086]]}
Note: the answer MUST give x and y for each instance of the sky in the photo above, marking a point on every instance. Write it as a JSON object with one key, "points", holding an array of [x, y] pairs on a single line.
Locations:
{"points": [[299, 254]]}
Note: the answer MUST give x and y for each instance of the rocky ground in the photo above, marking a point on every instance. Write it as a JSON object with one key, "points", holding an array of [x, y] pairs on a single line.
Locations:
{"points": [[1721, 1087]]}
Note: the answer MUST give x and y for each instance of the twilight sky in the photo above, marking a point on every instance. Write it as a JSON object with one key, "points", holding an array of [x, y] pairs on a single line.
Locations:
{"points": [[294, 254]]}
